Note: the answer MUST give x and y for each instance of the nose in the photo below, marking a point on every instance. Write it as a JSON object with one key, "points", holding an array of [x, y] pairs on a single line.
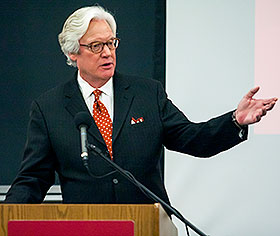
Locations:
{"points": [[106, 52]]}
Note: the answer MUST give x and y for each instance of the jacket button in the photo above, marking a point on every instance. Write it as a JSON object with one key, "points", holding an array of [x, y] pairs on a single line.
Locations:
{"points": [[115, 181]]}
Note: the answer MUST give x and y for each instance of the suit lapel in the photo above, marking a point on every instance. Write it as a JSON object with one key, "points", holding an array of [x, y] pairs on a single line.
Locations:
{"points": [[75, 103], [122, 102]]}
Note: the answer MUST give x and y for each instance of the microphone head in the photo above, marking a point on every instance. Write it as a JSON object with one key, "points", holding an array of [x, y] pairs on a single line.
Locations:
{"points": [[82, 119]]}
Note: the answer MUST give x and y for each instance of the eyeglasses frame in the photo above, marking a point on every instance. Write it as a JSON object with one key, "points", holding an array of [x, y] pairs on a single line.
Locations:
{"points": [[89, 46]]}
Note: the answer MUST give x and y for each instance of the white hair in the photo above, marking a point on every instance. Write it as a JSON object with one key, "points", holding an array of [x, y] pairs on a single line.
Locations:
{"points": [[76, 26]]}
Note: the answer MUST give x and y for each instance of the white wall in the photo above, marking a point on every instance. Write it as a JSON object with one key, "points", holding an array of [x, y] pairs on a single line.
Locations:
{"points": [[210, 66]]}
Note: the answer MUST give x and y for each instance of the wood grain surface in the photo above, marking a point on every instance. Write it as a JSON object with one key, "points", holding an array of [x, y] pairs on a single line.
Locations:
{"points": [[150, 220]]}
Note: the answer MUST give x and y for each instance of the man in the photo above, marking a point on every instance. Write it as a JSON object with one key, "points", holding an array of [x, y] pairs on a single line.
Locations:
{"points": [[132, 121]]}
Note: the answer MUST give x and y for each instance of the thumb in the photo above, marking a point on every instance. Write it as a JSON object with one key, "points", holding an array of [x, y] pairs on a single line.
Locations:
{"points": [[252, 92]]}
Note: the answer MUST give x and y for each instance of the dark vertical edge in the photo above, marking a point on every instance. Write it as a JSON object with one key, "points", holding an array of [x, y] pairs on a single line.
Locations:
{"points": [[159, 55]]}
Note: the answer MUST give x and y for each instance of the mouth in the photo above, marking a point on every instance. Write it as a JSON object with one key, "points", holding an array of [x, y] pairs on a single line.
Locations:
{"points": [[108, 65]]}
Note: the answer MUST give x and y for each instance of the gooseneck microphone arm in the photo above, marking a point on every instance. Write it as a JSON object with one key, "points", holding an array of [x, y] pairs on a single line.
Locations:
{"points": [[145, 190], [83, 120]]}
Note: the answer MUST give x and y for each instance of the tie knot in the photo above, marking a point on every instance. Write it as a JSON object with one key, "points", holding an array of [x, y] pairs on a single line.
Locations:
{"points": [[97, 93]]}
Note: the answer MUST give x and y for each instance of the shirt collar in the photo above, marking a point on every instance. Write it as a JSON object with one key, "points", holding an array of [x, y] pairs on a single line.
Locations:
{"points": [[87, 89]]}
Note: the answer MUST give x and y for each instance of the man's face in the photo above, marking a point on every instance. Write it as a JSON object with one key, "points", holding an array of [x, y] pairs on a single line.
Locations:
{"points": [[97, 68]]}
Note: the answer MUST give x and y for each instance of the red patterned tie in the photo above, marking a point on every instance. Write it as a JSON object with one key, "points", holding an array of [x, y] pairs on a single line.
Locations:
{"points": [[103, 121]]}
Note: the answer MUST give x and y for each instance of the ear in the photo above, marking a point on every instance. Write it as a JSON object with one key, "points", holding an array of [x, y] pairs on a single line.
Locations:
{"points": [[73, 57]]}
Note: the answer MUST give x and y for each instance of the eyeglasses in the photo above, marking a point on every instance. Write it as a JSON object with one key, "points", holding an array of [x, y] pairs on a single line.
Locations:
{"points": [[97, 47]]}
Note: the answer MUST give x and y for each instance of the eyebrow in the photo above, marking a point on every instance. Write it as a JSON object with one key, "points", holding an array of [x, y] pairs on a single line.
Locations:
{"points": [[100, 41]]}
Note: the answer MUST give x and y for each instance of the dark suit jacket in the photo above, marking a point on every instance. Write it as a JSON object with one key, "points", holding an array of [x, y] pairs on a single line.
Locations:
{"points": [[53, 144]]}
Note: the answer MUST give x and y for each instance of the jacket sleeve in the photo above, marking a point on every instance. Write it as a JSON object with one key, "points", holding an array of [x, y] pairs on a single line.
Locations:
{"points": [[202, 139], [37, 171]]}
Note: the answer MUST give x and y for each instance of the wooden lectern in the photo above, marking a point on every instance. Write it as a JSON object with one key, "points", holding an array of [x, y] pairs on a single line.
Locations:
{"points": [[149, 220]]}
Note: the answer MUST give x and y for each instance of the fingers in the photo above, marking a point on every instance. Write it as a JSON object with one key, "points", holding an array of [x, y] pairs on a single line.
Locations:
{"points": [[252, 92], [258, 118], [269, 107], [259, 114], [263, 111], [270, 100]]}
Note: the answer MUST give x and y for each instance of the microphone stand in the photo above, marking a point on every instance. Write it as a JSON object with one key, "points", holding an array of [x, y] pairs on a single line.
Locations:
{"points": [[145, 190]]}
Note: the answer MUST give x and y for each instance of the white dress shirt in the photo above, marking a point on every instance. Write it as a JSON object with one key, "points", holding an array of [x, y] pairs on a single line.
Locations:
{"points": [[107, 96]]}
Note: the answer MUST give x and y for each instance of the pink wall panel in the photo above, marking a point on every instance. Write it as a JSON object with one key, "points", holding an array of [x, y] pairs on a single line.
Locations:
{"points": [[267, 60]]}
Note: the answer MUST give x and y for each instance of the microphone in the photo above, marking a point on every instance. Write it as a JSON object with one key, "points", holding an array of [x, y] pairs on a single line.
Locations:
{"points": [[83, 122]]}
